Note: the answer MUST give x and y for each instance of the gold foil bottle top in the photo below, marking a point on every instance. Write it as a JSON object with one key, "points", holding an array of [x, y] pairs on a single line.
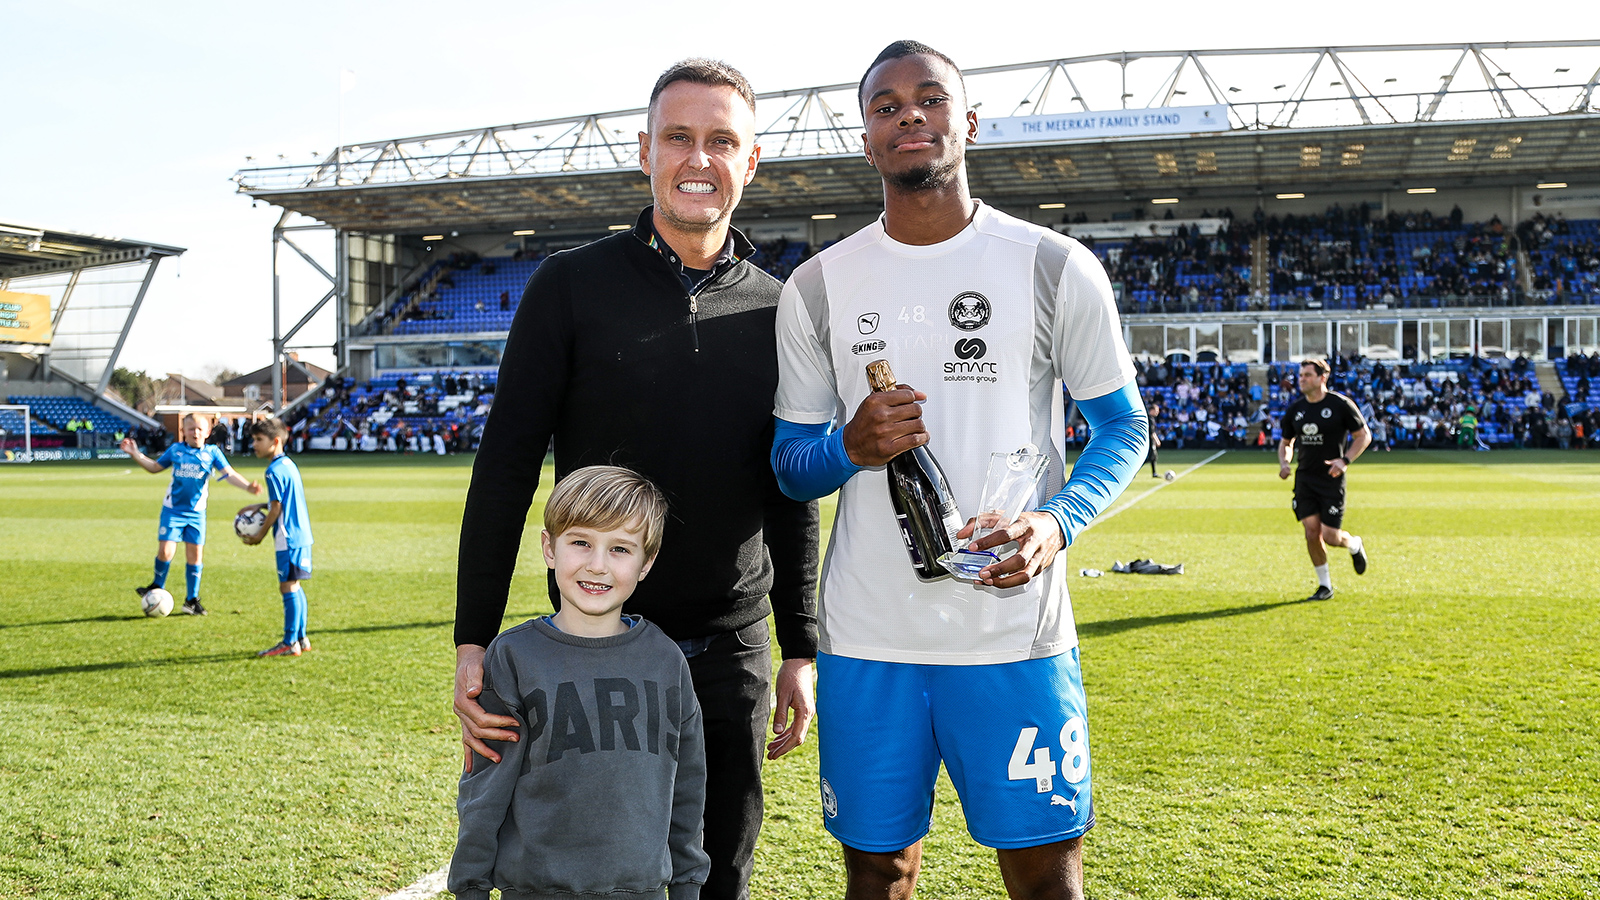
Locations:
{"points": [[880, 376]]}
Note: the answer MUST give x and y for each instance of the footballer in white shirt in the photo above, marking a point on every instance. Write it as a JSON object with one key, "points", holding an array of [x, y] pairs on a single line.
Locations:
{"points": [[986, 318]]}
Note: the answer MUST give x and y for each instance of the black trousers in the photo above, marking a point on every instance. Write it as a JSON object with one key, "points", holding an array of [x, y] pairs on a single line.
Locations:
{"points": [[732, 675]]}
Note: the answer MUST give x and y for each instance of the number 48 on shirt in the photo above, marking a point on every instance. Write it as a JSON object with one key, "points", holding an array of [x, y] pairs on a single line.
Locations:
{"points": [[1042, 769]]}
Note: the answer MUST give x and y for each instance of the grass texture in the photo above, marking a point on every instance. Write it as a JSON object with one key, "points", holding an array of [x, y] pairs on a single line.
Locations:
{"points": [[1431, 732]]}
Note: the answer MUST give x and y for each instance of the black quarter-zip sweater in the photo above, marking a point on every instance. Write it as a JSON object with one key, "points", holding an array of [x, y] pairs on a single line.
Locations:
{"points": [[611, 355]]}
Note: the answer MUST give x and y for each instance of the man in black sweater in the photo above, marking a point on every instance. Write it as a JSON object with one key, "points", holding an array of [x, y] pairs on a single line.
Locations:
{"points": [[654, 349]]}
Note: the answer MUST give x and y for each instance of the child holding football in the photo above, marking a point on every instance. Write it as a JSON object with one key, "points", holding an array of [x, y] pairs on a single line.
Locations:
{"points": [[290, 525], [183, 510], [602, 795]]}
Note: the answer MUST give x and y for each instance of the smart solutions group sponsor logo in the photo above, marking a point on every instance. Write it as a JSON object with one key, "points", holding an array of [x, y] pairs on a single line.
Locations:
{"points": [[968, 365]]}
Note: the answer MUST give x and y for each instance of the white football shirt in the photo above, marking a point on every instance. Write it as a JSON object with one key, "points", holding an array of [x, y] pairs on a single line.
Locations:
{"points": [[989, 324]]}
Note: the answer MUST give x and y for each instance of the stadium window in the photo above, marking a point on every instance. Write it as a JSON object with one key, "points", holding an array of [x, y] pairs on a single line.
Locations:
{"points": [[433, 237], [1422, 190], [1525, 338], [1383, 340], [618, 227], [1352, 155], [1491, 337], [1241, 343], [1166, 163], [1065, 167], [1551, 185], [1052, 206], [1028, 169], [1311, 156], [822, 216], [1294, 196], [1461, 150], [1146, 341], [1205, 162]]}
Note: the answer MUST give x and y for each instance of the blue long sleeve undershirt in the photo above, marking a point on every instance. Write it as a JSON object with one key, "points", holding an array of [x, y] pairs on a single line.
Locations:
{"points": [[810, 460]]}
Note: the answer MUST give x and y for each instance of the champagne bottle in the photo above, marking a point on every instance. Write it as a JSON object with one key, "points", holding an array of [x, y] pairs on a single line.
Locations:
{"points": [[924, 507]]}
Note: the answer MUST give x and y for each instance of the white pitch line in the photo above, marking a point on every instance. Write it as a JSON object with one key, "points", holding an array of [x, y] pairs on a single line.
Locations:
{"points": [[1158, 487], [425, 887]]}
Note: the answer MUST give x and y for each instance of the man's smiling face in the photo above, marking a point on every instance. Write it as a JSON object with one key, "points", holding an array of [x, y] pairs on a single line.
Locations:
{"points": [[700, 152]]}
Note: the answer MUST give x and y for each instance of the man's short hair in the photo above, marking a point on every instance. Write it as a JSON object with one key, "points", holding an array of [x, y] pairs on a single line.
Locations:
{"points": [[606, 498], [713, 72], [900, 49], [1317, 363], [270, 428]]}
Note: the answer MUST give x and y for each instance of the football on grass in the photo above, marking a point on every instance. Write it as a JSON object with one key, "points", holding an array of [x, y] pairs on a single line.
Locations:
{"points": [[1170, 475], [156, 603], [248, 523]]}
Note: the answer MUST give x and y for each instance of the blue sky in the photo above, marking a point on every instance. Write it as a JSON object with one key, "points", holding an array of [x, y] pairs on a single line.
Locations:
{"points": [[128, 119]]}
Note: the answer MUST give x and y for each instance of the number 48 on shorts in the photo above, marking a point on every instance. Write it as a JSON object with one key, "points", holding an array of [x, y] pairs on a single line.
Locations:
{"points": [[1041, 769]]}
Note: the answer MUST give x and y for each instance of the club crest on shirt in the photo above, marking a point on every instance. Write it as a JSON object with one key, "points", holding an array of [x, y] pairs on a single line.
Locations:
{"points": [[1327, 413], [969, 311]]}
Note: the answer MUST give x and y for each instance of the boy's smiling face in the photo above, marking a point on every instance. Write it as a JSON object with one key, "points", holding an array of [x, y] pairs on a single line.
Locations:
{"points": [[596, 572]]}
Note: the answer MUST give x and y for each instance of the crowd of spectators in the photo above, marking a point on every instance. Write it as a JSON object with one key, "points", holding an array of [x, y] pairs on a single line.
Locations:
{"points": [[439, 412], [1198, 404], [1354, 258], [1564, 257], [1467, 404]]}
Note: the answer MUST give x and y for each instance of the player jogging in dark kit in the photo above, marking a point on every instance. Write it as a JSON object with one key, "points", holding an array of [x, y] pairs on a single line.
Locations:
{"points": [[1321, 422]]}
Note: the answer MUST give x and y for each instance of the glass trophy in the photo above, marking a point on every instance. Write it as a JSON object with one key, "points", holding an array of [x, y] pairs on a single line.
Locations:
{"points": [[1008, 492]]}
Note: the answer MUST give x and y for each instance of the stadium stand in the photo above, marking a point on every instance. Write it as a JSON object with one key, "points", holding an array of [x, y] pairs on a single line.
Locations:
{"points": [[400, 403], [1351, 259], [1345, 259], [1215, 405], [12, 424], [468, 294], [58, 411], [1564, 256]]}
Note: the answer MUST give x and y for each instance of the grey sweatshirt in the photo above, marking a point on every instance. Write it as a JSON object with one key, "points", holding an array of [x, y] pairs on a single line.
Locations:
{"points": [[604, 793]]}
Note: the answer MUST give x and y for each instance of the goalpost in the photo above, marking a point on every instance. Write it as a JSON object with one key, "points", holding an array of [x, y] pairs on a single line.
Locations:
{"points": [[9, 455]]}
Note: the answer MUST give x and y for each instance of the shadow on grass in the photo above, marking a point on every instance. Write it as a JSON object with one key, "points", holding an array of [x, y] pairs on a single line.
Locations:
{"points": [[396, 626], [105, 618], [81, 668], [1117, 626]]}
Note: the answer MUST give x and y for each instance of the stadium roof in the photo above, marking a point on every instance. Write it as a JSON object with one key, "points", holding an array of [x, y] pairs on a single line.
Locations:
{"points": [[1355, 118], [28, 250]]}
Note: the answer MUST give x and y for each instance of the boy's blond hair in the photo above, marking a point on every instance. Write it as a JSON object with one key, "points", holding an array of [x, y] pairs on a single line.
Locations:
{"points": [[199, 417], [606, 498]]}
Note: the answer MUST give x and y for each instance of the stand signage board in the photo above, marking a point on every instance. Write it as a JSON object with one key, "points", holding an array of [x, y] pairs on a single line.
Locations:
{"points": [[1099, 125], [24, 318]]}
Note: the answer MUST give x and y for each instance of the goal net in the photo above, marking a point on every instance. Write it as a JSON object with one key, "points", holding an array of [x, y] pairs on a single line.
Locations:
{"points": [[16, 434]]}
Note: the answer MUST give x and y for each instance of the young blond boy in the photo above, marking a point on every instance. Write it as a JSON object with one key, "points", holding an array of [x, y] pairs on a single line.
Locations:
{"points": [[604, 793], [290, 526], [183, 510]]}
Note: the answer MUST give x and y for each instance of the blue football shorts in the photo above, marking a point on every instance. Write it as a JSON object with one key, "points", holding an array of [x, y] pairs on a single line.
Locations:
{"points": [[294, 564], [1013, 736], [184, 527]]}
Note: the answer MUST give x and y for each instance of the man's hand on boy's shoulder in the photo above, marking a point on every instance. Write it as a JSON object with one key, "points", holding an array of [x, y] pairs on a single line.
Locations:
{"points": [[477, 724]]}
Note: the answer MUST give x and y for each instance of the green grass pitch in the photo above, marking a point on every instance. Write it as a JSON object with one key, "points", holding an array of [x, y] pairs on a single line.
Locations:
{"points": [[1431, 732]]}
